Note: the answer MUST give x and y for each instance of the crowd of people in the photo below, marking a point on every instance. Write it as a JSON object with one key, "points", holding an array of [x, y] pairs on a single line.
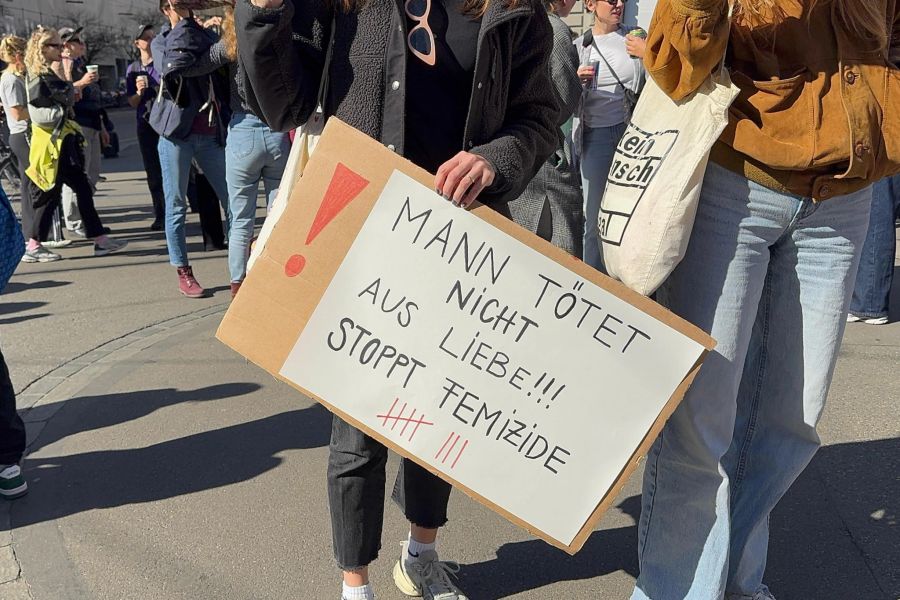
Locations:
{"points": [[530, 118]]}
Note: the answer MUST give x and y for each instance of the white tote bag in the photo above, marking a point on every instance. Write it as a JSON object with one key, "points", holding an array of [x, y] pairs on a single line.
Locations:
{"points": [[653, 188], [305, 140]]}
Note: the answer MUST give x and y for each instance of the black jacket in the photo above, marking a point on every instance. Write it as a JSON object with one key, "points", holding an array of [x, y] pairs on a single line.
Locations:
{"points": [[513, 110]]}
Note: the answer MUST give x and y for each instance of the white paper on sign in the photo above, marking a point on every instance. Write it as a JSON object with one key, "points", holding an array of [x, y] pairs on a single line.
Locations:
{"points": [[488, 360]]}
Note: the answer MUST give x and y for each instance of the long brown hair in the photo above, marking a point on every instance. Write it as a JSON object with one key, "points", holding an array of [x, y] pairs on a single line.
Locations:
{"points": [[863, 19], [229, 34], [475, 8]]}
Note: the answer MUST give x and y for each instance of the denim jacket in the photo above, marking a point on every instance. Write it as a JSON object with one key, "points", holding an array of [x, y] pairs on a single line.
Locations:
{"points": [[182, 98]]}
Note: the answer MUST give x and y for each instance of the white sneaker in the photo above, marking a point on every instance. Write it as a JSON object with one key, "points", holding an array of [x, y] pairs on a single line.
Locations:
{"points": [[427, 577], [40, 255], [109, 246], [851, 318], [78, 232], [56, 243]]}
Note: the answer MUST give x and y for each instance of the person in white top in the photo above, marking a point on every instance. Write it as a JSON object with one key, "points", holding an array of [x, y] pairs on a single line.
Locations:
{"points": [[611, 72]]}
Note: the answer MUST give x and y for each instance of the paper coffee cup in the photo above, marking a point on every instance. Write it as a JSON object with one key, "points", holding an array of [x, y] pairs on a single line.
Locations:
{"points": [[92, 68], [144, 79]]}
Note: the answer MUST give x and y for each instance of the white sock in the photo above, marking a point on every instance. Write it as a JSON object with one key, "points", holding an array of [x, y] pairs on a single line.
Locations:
{"points": [[363, 592], [415, 549]]}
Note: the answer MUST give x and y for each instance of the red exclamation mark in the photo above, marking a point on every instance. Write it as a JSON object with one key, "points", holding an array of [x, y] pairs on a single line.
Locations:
{"points": [[344, 187]]}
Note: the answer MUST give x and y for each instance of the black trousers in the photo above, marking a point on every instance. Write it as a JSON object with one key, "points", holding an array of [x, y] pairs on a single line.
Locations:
{"points": [[12, 429], [18, 143], [356, 480], [148, 140], [71, 173]]}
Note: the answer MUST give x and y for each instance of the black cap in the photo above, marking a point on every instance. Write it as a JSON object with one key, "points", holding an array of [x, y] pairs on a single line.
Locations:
{"points": [[140, 31], [67, 33]]}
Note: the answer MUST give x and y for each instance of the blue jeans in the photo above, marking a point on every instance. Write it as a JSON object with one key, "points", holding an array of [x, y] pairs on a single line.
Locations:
{"points": [[769, 276], [598, 147], [175, 158], [876, 267], [253, 152]]}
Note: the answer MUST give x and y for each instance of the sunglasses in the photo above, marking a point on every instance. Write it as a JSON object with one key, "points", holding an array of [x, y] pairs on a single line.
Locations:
{"points": [[49, 45], [420, 39], [613, 3]]}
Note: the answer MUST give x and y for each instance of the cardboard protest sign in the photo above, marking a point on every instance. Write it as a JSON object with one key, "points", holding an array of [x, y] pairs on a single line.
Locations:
{"points": [[461, 341]]}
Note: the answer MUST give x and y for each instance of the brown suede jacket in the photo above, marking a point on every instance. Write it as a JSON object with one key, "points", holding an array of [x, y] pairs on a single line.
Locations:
{"points": [[819, 110]]}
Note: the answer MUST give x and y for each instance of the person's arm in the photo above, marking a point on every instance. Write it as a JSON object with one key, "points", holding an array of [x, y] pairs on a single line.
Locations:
{"points": [[214, 58], [44, 110], [132, 93], [529, 133], [181, 48], [281, 75], [19, 113], [686, 42], [18, 105], [564, 71]]}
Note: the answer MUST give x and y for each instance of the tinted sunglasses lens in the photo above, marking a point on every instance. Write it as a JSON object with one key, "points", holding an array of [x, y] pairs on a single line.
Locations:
{"points": [[416, 8], [420, 41]]}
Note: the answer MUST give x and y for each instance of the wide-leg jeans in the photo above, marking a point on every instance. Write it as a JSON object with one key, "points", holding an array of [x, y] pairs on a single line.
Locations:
{"points": [[769, 275]]}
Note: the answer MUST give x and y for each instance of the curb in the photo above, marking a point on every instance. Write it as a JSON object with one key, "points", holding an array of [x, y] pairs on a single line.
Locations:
{"points": [[40, 400]]}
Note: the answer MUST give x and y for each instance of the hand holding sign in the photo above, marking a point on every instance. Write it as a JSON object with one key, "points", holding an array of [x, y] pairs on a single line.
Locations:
{"points": [[462, 178]]}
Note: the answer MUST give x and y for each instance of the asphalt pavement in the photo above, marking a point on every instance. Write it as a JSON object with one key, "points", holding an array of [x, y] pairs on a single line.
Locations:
{"points": [[164, 466]]}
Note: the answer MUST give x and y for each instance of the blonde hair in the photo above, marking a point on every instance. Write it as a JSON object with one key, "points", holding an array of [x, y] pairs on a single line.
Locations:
{"points": [[12, 46], [35, 62], [863, 19]]}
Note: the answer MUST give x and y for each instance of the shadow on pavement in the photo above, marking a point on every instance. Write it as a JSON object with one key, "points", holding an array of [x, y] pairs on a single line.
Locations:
{"points": [[8, 308], [17, 286], [66, 485], [833, 537], [23, 318], [97, 412], [853, 489], [524, 566]]}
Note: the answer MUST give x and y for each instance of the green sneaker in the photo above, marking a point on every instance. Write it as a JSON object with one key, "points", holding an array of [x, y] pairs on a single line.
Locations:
{"points": [[12, 484], [427, 577]]}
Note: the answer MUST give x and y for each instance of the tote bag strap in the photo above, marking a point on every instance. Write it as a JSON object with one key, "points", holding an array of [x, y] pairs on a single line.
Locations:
{"points": [[323, 81], [728, 33]]}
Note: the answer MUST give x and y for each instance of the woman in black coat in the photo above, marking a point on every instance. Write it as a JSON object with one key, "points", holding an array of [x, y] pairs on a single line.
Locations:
{"points": [[461, 88]]}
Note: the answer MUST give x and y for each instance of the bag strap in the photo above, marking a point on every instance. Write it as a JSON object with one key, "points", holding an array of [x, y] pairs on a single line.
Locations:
{"points": [[611, 70], [728, 33], [323, 81]]}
